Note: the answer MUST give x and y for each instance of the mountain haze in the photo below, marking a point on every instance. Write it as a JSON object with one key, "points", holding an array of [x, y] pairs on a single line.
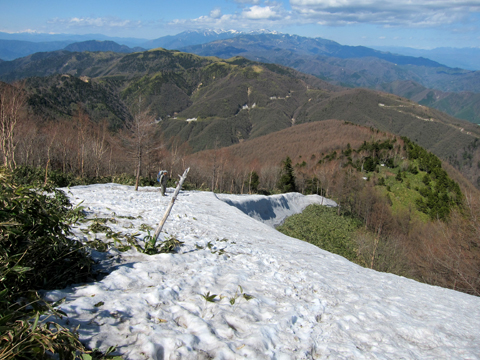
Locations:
{"points": [[45, 37], [13, 49], [188, 38], [464, 58], [97, 45]]}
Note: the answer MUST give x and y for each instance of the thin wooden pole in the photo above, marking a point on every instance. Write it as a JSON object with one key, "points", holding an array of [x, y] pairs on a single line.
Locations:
{"points": [[174, 197]]}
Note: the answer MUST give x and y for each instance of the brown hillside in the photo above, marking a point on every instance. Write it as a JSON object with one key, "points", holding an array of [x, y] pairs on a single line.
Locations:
{"points": [[227, 169], [303, 142]]}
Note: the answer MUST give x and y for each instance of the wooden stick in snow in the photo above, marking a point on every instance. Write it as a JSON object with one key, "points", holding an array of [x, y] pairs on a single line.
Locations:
{"points": [[174, 197]]}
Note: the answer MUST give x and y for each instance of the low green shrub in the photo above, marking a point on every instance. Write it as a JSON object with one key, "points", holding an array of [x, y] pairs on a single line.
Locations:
{"points": [[321, 226], [36, 253], [34, 229], [152, 246]]}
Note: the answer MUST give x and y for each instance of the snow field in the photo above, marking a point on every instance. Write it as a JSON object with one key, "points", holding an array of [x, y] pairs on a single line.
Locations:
{"points": [[307, 303]]}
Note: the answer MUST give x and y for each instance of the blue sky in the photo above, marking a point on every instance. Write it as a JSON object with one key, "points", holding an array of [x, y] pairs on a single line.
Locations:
{"points": [[413, 23]]}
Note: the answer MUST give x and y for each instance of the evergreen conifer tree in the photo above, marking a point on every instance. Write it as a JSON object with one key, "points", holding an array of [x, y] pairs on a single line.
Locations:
{"points": [[287, 178]]}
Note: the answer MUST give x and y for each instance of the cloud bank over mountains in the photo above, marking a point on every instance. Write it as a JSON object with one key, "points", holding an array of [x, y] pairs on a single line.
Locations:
{"points": [[385, 12], [424, 22], [99, 23], [404, 13]]}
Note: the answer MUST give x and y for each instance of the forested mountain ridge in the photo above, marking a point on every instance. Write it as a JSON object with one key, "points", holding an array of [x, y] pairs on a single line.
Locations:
{"points": [[60, 96], [354, 66], [303, 46], [351, 65], [464, 105], [211, 102], [97, 45]]}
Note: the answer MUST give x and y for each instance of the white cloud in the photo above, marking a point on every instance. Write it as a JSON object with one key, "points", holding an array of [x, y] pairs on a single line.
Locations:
{"points": [[453, 14], [425, 13], [216, 13], [250, 18], [87, 22], [26, 31], [258, 13], [251, 2]]}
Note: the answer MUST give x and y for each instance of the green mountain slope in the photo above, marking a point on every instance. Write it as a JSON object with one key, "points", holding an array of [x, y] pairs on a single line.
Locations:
{"points": [[58, 96], [358, 67], [464, 105]]}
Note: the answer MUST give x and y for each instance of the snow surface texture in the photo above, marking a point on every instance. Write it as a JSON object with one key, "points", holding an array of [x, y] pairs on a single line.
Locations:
{"points": [[307, 303]]}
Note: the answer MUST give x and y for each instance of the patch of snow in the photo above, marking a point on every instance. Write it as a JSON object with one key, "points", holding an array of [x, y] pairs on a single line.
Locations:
{"points": [[307, 303], [273, 210]]}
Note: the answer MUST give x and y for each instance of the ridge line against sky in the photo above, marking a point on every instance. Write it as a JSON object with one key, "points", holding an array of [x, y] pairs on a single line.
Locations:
{"points": [[419, 24]]}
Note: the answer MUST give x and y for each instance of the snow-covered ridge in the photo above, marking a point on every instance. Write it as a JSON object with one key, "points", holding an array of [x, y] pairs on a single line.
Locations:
{"points": [[307, 303]]}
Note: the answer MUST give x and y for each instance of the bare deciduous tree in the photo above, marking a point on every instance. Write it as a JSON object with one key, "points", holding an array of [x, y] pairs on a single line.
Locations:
{"points": [[99, 146], [12, 101], [139, 137], [53, 134], [27, 141], [82, 126]]}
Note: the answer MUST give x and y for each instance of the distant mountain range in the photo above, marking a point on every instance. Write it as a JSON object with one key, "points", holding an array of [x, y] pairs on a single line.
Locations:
{"points": [[14, 49], [195, 37], [356, 66], [188, 38], [464, 58], [455, 90], [14, 46], [69, 38], [106, 45]]}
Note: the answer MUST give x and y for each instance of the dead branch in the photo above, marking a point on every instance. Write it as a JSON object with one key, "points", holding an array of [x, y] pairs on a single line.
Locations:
{"points": [[174, 197]]}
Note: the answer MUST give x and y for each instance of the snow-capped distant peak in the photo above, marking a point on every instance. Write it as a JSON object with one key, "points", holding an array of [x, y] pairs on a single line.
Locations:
{"points": [[222, 31], [264, 31], [209, 32]]}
